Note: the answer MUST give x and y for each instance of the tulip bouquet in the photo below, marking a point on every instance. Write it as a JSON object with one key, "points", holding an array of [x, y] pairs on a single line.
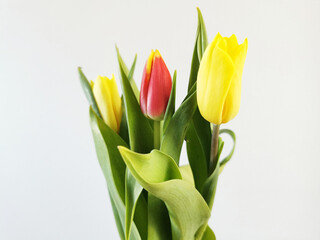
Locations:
{"points": [[139, 136]]}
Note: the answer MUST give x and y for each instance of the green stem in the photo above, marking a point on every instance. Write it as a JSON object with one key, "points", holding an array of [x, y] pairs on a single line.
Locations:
{"points": [[214, 148], [156, 134]]}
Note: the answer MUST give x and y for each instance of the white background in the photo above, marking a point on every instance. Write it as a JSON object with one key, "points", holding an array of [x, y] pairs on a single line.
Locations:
{"points": [[51, 186]]}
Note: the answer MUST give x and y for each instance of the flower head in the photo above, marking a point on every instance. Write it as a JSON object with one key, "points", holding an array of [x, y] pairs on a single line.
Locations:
{"points": [[106, 94], [219, 79], [155, 87]]}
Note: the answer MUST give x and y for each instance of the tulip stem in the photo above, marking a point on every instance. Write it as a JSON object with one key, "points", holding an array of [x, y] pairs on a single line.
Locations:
{"points": [[156, 134], [214, 148]]}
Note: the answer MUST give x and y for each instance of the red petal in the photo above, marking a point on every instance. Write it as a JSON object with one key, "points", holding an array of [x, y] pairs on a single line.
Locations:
{"points": [[160, 85]]}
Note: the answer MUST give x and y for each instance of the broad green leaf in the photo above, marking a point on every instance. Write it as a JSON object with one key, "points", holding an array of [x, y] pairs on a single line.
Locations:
{"points": [[88, 91], [129, 73], [227, 158], [175, 132], [210, 185], [171, 103], [113, 168], [159, 174], [208, 234]]}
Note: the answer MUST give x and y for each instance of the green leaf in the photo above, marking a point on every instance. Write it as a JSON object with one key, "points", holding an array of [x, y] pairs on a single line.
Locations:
{"points": [[196, 156], [88, 91], [159, 174], [171, 103], [133, 191], [140, 138], [123, 131], [210, 185], [199, 133], [128, 73], [141, 215], [200, 46], [140, 131], [208, 234], [117, 218], [158, 219], [227, 158], [194, 66], [176, 130], [113, 168], [111, 140], [202, 39], [186, 174]]}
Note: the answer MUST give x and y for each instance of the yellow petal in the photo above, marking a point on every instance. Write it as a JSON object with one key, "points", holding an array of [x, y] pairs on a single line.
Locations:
{"points": [[102, 94], [116, 100], [204, 68], [214, 80], [232, 102]]}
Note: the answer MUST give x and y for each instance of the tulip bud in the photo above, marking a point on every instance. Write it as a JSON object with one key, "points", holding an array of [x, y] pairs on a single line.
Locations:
{"points": [[219, 79], [106, 94], [155, 87]]}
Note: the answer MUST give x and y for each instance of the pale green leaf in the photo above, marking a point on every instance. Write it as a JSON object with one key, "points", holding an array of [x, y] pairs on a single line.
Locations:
{"points": [[186, 174], [208, 234], [159, 175]]}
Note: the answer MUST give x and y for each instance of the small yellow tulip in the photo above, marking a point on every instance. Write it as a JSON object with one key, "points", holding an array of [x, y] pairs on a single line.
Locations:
{"points": [[219, 79], [106, 93]]}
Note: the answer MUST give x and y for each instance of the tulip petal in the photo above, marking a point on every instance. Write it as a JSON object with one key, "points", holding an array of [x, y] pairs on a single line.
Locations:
{"points": [[232, 103], [116, 100], [159, 88], [236, 52], [214, 79], [101, 90]]}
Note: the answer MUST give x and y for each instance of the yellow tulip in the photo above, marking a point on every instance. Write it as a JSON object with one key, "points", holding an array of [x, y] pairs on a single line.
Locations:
{"points": [[219, 79], [106, 93]]}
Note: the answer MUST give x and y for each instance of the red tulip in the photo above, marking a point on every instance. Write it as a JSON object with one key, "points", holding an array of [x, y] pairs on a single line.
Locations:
{"points": [[155, 87]]}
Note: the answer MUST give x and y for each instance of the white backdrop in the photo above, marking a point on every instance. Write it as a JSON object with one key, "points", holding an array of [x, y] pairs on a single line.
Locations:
{"points": [[51, 186]]}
